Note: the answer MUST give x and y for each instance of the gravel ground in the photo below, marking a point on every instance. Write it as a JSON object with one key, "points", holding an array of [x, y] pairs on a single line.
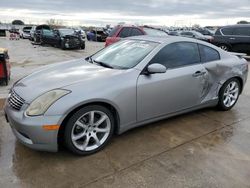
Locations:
{"points": [[25, 57]]}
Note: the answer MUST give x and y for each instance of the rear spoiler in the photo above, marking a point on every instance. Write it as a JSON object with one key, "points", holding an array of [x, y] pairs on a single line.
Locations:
{"points": [[240, 55]]}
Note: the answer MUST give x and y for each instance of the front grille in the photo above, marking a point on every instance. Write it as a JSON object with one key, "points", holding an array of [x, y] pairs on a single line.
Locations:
{"points": [[74, 43], [15, 101]]}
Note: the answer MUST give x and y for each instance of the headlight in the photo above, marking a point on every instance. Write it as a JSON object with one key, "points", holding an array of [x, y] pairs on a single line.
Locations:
{"points": [[41, 104]]}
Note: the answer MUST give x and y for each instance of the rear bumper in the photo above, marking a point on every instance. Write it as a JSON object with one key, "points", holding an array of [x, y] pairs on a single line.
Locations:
{"points": [[29, 130]]}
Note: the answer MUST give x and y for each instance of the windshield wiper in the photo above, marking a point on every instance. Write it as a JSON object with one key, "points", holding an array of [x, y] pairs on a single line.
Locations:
{"points": [[102, 64], [89, 59]]}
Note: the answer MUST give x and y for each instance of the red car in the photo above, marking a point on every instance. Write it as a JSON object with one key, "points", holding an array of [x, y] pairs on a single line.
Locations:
{"points": [[4, 66], [128, 31]]}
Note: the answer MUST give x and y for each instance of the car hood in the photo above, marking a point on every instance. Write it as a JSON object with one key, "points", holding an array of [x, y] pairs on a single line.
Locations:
{"points": [[59, 76]]}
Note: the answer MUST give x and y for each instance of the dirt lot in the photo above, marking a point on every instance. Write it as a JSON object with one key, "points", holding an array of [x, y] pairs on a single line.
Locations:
{"points": [[205, 148], [25, 57]]}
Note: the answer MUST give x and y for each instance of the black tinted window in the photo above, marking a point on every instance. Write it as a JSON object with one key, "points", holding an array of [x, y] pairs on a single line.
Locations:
{"points": [[178, 54], [135, 32], [125, 32], [208, 54], [244, 31], [227, 31]]}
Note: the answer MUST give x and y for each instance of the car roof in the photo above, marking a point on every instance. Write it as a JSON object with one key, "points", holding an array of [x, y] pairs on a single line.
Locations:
{"points": [[166, 39], [237, 25], [172, 39]]}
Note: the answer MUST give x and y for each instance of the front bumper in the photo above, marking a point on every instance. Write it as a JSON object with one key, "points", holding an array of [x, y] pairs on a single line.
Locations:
{"points": [[29, 130]]}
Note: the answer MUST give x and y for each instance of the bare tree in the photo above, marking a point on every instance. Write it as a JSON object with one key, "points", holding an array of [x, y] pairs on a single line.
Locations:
{"points": [[243, 22], [17, 22], [54, 23]]}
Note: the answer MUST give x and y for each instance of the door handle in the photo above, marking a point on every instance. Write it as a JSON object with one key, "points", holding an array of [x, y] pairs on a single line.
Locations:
{"points": [[199, 73], [232, 38]]}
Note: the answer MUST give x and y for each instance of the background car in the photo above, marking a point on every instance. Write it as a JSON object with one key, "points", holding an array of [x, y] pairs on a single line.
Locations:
{"points": [[83, 102], [98, 35], [122, 31], [204, 31], [14, 30], [63, 38], [174, 33], [196, 35], [35, 32], [25, 33], [234, 38]]}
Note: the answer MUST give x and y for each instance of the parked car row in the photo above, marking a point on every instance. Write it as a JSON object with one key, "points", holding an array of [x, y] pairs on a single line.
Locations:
{"points": [[65, 38], [235, 38]]}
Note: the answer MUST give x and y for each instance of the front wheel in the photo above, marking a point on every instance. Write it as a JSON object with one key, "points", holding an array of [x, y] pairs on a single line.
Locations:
{"points": [[63, 45], [89, 130], [229, 94]]}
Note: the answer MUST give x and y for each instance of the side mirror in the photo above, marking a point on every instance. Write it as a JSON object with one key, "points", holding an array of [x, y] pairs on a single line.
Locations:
{"points": [[156, 68]]}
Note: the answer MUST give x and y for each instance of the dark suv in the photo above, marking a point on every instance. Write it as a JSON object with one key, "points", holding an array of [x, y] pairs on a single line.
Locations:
{"points": [[234, 38]]}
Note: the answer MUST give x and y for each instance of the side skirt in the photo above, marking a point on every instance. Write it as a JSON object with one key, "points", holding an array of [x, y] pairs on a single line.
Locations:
{"points": [[138, 124]]}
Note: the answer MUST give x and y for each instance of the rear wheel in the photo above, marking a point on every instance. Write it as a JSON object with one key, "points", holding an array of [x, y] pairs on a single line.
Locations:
{"points": [[229, 94], [89, 130], [224, 47]]}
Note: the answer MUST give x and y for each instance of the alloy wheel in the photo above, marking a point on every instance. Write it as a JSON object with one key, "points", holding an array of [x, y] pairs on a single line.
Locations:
{"points": [[224, 47], [91, 130], [231, 94]]}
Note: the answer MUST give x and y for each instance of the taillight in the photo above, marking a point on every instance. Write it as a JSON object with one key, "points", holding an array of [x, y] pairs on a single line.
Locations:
{"points": [[211, 39]]}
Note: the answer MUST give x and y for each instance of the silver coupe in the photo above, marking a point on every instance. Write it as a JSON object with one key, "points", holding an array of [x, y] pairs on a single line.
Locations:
{"points": [[131, 83]]}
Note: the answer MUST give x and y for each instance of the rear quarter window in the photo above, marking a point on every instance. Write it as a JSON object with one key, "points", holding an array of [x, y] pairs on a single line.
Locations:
{"points": [[208, 54]]}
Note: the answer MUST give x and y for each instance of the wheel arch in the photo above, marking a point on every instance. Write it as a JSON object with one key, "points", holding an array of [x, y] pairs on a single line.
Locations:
{"points": [[236, 77], [226, 44], [109, 106]]}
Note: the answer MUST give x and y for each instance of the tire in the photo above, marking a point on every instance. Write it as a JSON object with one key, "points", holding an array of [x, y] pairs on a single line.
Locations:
{"points": [[89, 137], [83, 46], [229, 94], [7, 81], [63, 45], [224, 47]]}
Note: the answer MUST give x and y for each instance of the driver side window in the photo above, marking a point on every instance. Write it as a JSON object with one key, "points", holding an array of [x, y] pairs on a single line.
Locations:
{"points": [[177, 55]]}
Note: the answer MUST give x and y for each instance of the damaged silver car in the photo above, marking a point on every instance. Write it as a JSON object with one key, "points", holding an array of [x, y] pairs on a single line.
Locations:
{"points": [[128, 84]]}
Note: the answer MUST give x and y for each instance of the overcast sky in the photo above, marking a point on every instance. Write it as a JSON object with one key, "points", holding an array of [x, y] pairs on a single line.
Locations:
{"points": [[152, 12]]}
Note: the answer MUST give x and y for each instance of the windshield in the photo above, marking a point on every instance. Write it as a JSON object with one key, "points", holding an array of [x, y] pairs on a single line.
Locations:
{"points": [[66, 32], [124, 54], [155, 32]]}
